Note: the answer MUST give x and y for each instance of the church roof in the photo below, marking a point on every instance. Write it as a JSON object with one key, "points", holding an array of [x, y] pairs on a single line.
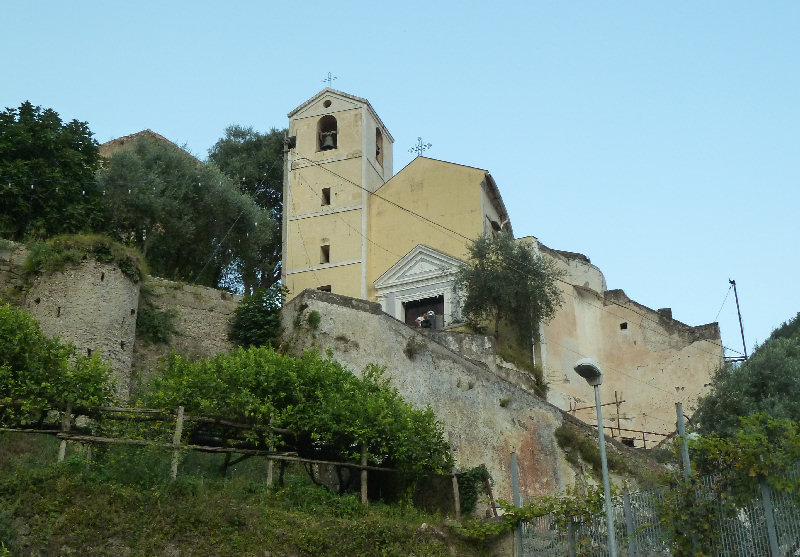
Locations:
{"points": [[112, 146], [494, 191], [348, 96]]}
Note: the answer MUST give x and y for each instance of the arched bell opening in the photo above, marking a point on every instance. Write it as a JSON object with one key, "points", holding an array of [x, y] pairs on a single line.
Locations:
{"points": [[378, 146], [327, 130]]}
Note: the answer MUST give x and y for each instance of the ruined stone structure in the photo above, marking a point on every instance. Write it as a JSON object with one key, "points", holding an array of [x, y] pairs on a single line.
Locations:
{"points": [[95, 307], [650, 360]]}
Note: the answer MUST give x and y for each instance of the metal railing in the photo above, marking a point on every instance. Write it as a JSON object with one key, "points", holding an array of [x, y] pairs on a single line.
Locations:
{"points": [[767, 525]]}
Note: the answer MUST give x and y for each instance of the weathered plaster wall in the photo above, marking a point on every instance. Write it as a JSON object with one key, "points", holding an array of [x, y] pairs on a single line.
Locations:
{"points": [[485, 416], [649, 359], [202, 317]]}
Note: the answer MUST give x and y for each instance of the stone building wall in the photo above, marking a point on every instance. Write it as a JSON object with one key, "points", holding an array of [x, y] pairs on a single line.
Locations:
{"points": [[93, 306], [649, 359]]}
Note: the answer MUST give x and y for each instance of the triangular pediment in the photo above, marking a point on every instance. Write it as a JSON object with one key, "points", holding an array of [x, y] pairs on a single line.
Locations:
{"points": [[339, 101], [420, 264]]}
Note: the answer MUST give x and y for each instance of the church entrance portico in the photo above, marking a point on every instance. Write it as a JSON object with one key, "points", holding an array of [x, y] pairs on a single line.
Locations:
{"points": [[421, 281]]}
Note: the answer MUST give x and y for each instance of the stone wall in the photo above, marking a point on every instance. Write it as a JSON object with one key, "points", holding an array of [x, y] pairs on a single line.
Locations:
{"points": [[486, 417], [95, 307], [201, 319]]}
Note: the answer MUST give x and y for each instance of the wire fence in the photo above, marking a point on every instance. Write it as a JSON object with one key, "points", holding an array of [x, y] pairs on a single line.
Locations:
{"points": [[768, 524]]}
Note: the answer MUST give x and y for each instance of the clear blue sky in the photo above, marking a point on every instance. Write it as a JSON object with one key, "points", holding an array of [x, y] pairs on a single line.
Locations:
{"points": [[658, 138]]}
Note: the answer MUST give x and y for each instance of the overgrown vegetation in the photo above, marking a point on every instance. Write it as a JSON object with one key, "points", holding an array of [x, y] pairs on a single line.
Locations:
{"points": [[97, 508], [582, 504], [581, 449], [763, 449], [327, 412], [768, 382], [38, 373], [520, 357], [471, 485], [154, 324], [56, 253]]}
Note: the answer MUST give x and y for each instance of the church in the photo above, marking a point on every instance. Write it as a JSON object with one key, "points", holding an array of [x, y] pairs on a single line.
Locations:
{"points": [[353, 227]]}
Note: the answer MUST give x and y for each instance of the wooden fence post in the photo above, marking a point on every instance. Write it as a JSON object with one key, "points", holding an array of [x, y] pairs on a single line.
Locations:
{"points": [[364, 501], [630, 531], [456, 495], [66, 418], [270, 462], [176, 441]]}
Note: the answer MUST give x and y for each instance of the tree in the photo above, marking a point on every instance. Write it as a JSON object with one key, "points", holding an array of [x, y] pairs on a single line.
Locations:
{"points": [[188, 219], [254, 161], [257, 319], [322, 410], [768, 382], [504, 279], [47, 167]]}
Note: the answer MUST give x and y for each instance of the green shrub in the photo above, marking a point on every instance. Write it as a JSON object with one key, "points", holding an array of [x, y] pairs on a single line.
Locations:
{"points": [[156, 325], [257, 319], [471, 484], [314, 318], [58, 252], [40, 372]]}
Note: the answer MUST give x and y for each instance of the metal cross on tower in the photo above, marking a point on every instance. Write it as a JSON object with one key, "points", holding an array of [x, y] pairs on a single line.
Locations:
{"points": [[420, 147], [329, 79]]}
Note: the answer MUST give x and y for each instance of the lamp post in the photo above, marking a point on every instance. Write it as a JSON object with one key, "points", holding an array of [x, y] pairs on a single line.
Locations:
{"points": [[589, 370]]}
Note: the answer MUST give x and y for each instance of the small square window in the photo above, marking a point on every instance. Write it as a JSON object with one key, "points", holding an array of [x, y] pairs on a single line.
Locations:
{"points": [[623, 326], [326, 196], [325, 253]]}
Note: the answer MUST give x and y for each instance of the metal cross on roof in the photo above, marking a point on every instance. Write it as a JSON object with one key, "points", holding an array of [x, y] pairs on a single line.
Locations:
{"points": [[420, 147], [329, 79]]}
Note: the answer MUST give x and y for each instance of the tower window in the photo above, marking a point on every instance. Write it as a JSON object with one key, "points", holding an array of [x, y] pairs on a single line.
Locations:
{"points": [[623, 325], [327, 130], [325, 253], [379, 146], [326, 196]]}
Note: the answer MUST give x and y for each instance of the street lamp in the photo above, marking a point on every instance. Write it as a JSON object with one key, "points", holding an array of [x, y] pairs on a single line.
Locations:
{"points": [[589, 370]]}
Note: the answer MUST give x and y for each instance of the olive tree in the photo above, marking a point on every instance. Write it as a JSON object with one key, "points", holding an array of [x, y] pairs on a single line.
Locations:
{"points": [[503, 279]]}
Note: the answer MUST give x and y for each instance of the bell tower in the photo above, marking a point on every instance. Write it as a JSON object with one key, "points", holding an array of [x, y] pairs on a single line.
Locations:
{"points": [[340, 153]]}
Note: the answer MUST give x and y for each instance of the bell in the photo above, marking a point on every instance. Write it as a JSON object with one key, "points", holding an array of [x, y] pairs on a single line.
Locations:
{"points": [[328, 142]]}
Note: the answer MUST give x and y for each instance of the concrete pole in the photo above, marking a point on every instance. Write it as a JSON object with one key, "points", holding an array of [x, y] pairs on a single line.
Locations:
{"points": [[612, 539], [687, 465]]}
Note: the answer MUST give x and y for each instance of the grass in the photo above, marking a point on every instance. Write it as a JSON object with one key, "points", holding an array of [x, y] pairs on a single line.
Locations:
{"points": [[98, 508], [580, 447], [58, 252]]}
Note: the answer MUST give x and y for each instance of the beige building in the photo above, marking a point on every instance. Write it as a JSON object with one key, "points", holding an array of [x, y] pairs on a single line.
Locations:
{"points": [[352, 227]]}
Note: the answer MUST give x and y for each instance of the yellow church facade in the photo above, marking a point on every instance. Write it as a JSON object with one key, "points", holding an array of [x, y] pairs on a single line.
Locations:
{"points": [[354, 228]]}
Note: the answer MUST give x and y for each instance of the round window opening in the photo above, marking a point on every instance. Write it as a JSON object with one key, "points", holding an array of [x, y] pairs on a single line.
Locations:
{"points": [[326, 104]]}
